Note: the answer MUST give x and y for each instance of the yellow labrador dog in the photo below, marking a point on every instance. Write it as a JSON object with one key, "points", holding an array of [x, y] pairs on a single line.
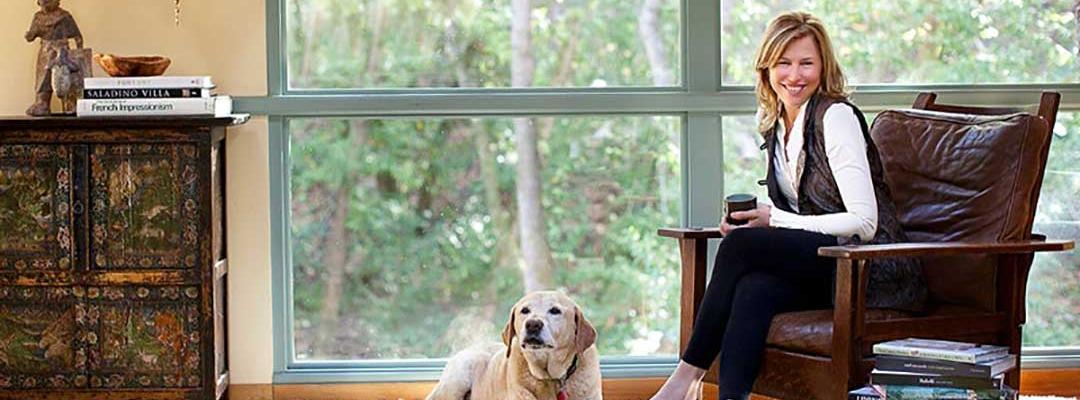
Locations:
{"points": [[548, 353]]}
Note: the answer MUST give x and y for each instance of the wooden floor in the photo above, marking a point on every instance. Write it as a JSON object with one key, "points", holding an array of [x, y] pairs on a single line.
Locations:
{"points": [[1061, 382]]}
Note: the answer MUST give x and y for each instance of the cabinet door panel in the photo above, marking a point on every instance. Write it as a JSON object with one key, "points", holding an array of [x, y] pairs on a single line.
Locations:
{"points": [[146, 212], [40, 346], [36, 214], [146, 337]]}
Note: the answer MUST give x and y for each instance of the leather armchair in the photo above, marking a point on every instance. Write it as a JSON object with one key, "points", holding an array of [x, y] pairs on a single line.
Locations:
{"points": [[966, 183]]}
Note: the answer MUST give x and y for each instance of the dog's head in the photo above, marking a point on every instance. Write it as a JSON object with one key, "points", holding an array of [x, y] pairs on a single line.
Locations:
{"points": [[550, 329]]}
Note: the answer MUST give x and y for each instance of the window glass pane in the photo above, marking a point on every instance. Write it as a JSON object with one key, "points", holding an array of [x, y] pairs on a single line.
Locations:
{"points": [[405, 232], [476, 43], [1054, 285], [916, 42], [744, 161]]}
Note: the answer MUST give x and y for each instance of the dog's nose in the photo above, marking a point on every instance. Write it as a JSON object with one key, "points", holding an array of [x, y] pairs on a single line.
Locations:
{"points": [[533, 326]]}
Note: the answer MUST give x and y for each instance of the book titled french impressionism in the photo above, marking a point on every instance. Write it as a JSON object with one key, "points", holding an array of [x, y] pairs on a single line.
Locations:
{"points": [[145, 93], [941, 350], [202, 82], [985, 369], [218, 106]]}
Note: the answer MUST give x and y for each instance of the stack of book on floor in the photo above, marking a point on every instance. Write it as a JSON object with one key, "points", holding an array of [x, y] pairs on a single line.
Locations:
{"points": [[923, 369], [151, 96]]}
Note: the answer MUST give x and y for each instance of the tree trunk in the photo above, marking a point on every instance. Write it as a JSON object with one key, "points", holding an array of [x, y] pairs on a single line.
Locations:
{"points": [[537, 271], [341, 251], [522, 64], [649, 31], [337, 249], [374, 53]]}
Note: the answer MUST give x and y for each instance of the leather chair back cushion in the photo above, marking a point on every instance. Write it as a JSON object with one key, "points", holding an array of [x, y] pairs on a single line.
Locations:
{"points": [[958, 177]]}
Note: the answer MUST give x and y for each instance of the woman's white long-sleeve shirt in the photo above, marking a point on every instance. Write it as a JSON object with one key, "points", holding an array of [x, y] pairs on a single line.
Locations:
{"points": [[845, 148]]}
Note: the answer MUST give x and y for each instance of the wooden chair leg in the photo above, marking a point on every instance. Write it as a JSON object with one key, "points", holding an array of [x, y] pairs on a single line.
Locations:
{"points": [[694, 253]]}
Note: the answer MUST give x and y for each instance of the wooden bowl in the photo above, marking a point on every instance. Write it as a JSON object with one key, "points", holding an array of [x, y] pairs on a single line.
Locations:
{"points": [[132, 66]]}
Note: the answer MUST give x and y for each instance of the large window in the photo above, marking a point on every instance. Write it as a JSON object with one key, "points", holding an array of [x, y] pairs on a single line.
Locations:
{"points": [[912, 41], [401, 130]]}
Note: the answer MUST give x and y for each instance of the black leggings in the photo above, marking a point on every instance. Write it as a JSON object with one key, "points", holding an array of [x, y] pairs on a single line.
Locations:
{"points": [[759, 272]]}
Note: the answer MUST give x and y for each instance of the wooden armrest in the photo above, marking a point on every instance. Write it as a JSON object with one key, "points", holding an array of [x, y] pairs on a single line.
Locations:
{"points": [[690, 233], [862, 252]]}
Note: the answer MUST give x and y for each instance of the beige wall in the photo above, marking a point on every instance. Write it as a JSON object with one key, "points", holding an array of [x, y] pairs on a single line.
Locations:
{"points": [[222, 38]]}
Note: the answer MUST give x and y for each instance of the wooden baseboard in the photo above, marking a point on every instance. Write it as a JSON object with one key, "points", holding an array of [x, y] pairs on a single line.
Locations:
{"points": [[250, 392], [1061, 382]]}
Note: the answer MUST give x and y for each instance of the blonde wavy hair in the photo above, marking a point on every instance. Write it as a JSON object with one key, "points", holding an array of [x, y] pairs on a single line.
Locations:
{"points": [[782, 30]]}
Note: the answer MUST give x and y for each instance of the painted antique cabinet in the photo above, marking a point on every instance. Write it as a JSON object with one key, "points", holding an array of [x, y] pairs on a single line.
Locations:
{"points": [[112, 258]]}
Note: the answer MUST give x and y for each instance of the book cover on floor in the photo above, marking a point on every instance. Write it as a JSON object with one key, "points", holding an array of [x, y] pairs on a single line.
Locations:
{"points": [[986, 369], [868, 392], [884, 377], [941, 349], [903, 392]]}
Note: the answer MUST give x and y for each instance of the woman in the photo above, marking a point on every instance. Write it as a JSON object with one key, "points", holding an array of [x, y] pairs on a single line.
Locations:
{"points": [[826, 186]]}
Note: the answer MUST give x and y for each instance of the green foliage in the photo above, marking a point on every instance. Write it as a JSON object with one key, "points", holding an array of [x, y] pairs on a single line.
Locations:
{"points": [[417, 269]]}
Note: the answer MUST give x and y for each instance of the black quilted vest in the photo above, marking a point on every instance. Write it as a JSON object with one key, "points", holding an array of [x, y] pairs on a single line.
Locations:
{"points": [[894, 282]]}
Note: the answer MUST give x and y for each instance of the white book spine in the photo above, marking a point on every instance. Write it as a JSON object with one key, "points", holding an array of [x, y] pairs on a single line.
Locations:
{"points": [[148, 82], [938, 354], [211, 106]]}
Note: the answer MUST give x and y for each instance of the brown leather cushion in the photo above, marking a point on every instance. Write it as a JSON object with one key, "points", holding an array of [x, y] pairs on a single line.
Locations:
{"points": [[810, 332], [959, 177]]}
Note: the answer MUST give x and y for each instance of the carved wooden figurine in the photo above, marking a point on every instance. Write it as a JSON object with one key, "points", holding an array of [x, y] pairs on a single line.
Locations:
{"points": [[55, 26]]}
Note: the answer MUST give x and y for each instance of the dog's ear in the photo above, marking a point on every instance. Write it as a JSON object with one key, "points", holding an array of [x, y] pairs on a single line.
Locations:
{"points": [[508, 332], [584, 333]]}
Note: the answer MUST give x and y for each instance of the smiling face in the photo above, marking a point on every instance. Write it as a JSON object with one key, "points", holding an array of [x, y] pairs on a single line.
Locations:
{"points": [[796, 76]]}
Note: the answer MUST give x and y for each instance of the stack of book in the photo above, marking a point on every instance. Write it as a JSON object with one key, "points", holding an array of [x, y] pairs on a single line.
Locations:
{"points": [[151, 96], [920, 369]]}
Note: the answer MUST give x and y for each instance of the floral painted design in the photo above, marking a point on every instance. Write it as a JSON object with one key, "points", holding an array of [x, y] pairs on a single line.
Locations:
{"points": [[35, 208], [140, 215], [139, 337], [36, 346]]}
